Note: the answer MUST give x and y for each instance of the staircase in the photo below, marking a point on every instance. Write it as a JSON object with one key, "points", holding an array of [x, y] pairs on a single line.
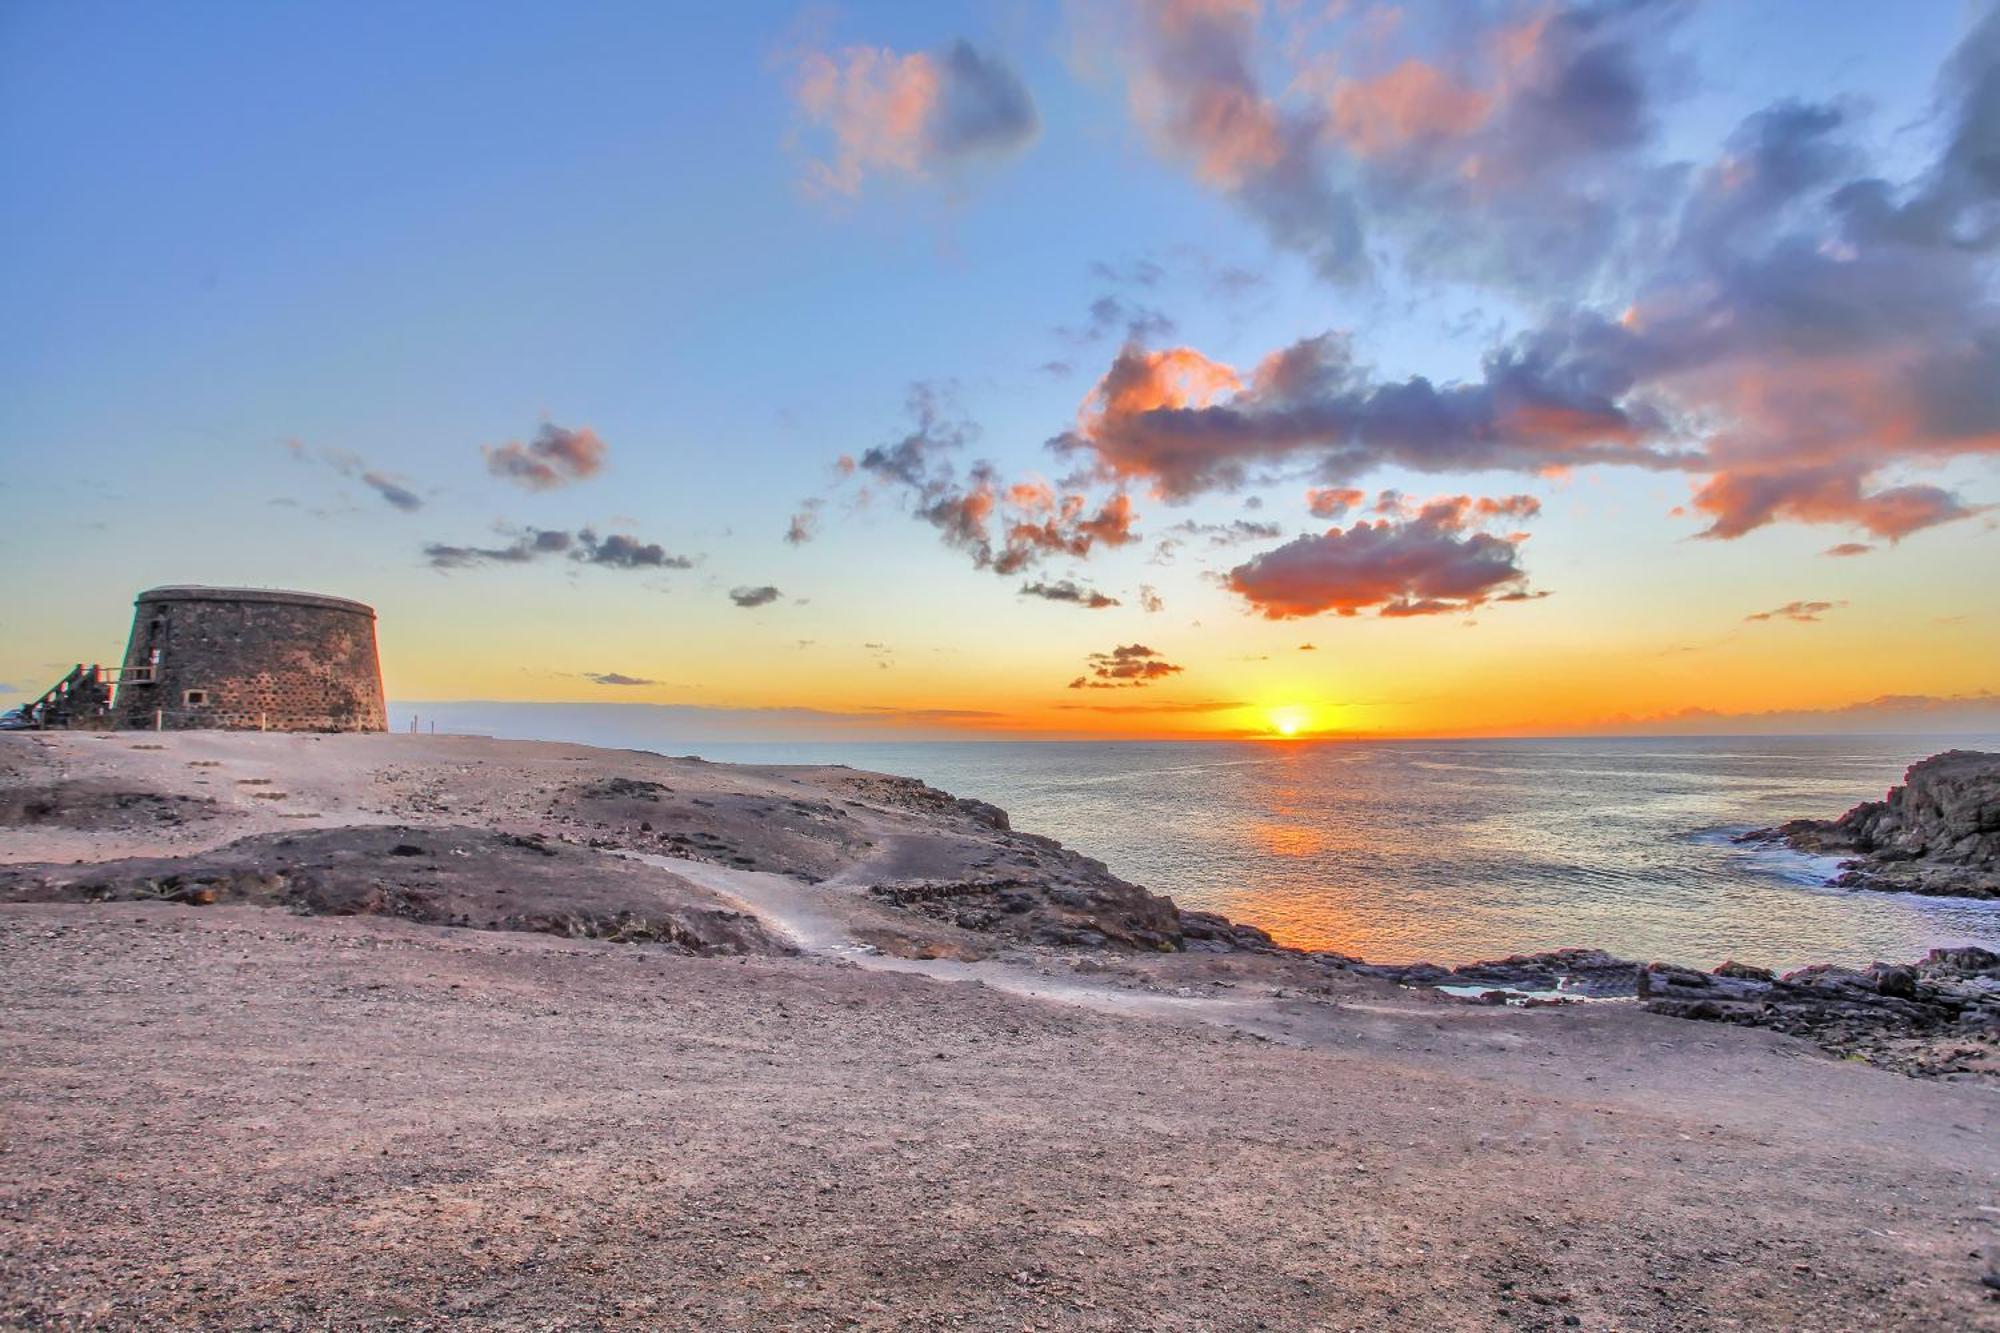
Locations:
{"points": [[82, 699]]}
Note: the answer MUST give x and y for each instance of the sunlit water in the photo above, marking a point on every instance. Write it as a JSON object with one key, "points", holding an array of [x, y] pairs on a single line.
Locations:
{"points": [[1458, 850]]}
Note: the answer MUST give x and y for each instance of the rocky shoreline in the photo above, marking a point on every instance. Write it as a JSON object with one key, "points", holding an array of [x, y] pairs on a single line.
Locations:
{"points": [[1938, 1016], [401, 1031], [1937, 834], [917, 873]]}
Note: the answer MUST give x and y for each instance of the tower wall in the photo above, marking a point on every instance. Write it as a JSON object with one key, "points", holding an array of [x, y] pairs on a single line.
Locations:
{"points": [[245, 658]]}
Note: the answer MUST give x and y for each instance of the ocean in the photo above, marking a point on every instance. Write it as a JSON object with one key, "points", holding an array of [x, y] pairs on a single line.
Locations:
{"points": [[1451, 851]]}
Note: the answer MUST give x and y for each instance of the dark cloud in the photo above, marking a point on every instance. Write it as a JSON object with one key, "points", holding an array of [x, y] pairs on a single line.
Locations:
{"points": [[759, 596], [1228, 534], [391, 488], [1848, 549], [1162, 706], [1136, 273], [982, 107], [1515, 155], [556, 457], [392, 491], [622, 552], [1130, 666], [616, 678], [616, 551], [804, 524], [1193, 71], [1787, 325], [1130, 321], [1067, 591], [1804, 612], [531, 544], [912, 114], [1005, 528], [1429, 562], [1186, 424]]}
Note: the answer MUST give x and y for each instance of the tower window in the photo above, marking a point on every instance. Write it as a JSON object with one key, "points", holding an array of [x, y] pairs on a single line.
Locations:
{"points": [[196, 696]]}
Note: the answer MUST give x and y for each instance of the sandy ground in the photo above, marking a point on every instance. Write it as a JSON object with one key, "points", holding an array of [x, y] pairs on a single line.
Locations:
{"points": [[232, 1116]]}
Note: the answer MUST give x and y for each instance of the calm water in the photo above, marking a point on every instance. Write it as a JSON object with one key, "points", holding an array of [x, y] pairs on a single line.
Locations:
{"points": [[1457, 850]]}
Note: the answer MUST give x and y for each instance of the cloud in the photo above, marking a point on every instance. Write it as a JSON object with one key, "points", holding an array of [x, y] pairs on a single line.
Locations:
{"points": [[1230, 533], [1787, 325], [393, 490], [616, 551], [622, 552], [1130, 666], [1186, 424], [1161, 706], [1002, 527], [1136, 273], [1333, 501], [1510, 150], [532, 544], [1149, 599], [879, 112], [557, 456], [1427, 563], [1894, 714], [1806, 612], [615, 678], [759, 596], [805, 523], [1067, 591], [1132, 322], [1848, 549]]}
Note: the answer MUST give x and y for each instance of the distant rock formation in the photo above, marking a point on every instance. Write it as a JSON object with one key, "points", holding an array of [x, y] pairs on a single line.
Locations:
{"points": [[1938, 833]]}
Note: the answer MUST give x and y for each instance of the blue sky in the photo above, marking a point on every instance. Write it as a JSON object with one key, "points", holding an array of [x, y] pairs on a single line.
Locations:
{"points": [[401, 235]]}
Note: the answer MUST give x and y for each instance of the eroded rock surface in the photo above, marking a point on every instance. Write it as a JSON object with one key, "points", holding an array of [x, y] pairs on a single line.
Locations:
{"points": [[465, 877], [1585, 973], [1938, 833], [1937, 1016]]}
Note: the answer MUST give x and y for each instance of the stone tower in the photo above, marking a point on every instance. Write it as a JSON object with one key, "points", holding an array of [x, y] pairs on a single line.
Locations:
{"points": [[250, 658]]}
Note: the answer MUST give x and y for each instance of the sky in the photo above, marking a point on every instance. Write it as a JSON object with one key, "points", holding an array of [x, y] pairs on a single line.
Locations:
{"points": [[1106, 368]]}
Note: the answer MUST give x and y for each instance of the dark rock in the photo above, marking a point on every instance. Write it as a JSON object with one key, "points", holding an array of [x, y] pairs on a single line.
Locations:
{"points": [[1937, 834], [1589, 972], [1912, 1017], [1896, 981]]}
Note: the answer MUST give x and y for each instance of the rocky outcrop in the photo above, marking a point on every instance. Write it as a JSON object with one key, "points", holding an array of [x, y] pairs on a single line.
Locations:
{"points": [[1938, 1016], [1088, 909], [1584, 973], [463, 877], [1938, 833]]}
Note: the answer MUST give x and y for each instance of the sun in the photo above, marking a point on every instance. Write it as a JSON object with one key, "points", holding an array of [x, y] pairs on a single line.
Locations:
{"points": [[1290, 720]]}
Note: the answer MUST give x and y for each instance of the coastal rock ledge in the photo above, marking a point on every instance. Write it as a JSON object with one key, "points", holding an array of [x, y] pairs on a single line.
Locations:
{"points": [[1938, 833]]}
